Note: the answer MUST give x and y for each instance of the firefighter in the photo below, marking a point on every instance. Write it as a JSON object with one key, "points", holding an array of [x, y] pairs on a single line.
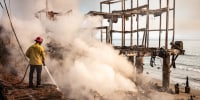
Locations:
{"points": [[36, 56]]}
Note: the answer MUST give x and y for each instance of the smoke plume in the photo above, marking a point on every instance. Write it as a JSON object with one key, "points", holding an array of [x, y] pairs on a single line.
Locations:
{"points": [[82, 66]]}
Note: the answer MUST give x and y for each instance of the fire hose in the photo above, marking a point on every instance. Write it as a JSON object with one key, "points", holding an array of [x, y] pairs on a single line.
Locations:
{"points": [[12, 27], [47, 70], [23, 76], [54, 82]]}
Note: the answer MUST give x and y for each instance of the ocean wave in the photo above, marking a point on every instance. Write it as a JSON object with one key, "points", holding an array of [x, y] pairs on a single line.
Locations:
{"points": [[190, 78], [195, 79], [188, 68], [188, 65], [192, 55]]}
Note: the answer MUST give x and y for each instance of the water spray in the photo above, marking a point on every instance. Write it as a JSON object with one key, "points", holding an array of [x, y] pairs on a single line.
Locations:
{"points": [[54, 82]]}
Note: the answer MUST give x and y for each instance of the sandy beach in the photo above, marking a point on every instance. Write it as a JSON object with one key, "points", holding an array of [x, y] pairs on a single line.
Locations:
{"points": [[158, 94]]}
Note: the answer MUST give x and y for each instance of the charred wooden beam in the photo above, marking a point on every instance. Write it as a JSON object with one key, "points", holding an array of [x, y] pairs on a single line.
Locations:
{"points": [[130, 12], [102, 27], [142, 51], [141, 30], [110, 1]]}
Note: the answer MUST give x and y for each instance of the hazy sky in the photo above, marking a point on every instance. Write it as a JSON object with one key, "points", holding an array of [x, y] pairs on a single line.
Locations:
{"points": [[187, 14]]}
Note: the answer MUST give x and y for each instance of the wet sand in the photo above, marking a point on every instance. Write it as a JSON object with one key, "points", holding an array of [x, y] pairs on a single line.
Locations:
{"points": [[193, 95]]}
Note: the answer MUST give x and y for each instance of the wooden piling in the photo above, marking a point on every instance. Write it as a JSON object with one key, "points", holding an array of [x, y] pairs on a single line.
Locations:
{"points": [[139, 63], [131, 39], [123, 24], [166, 58], [137, 25], [167, 26], [174, 7], [101, 23], [147, 26], [160, 25], [166, 72]]}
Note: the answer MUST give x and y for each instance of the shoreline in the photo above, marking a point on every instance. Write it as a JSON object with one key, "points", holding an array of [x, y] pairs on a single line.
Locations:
{"points": [[170, 93], [176, 76]]}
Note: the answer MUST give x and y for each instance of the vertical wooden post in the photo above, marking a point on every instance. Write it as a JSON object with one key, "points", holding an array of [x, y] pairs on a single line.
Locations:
{"points": [[110, 26], [166, 72], [109, 7], [145, 40], [160, 25], [111, 34], [107, 37], [137, 25], [131, 39], [101, 23], [167, 26], [110, 31], [139, 63], [124, 3], [123, 24], [147, 27], [174, 6], [166, 59]]}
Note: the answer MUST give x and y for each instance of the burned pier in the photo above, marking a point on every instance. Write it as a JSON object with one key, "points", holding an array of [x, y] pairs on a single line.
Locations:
{"points": [[135, 31]]}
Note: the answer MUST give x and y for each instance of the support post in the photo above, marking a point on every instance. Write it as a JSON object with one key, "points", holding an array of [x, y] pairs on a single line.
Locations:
{"points": [[139, 63], [167, 26], [174, 7], [110, 26], [166, 58], [107, 39], [147, 27], [109, 32], [109, 7], [137, 25], [160, 25], [101, 23], [131, 39], [123, 24], [166, 72]]}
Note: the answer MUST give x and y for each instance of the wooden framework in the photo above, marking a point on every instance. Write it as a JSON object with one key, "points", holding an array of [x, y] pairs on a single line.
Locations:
{"points": [[142, 49]]}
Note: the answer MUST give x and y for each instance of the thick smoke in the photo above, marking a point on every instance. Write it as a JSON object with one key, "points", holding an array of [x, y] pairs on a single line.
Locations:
{"points": [[83, 67]]}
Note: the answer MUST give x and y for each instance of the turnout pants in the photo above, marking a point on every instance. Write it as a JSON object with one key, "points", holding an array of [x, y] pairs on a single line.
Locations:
{"points": [[38, 70]]}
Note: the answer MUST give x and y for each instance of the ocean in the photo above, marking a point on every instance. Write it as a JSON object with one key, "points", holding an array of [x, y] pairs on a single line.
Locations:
{"points": [[186, 65]]}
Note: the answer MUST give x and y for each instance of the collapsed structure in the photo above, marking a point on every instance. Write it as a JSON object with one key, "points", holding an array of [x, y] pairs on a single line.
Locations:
{"points": [[136, 51]]}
